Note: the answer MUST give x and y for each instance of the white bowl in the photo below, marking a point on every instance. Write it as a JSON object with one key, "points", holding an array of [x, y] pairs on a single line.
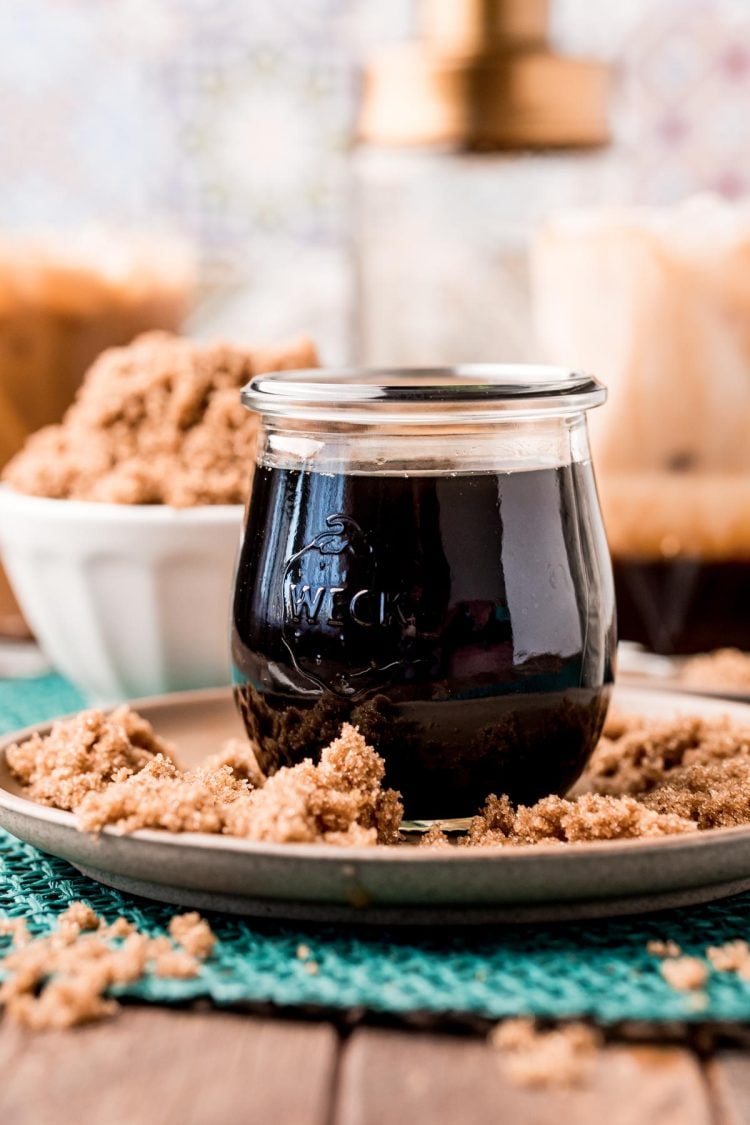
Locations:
{"points": [[125, 600]]}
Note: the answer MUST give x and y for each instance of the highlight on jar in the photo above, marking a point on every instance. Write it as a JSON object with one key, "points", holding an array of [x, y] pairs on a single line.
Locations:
{"points": [[424, 557]]}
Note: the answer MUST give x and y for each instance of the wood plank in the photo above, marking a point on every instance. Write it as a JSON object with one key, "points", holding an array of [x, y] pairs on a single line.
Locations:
{"points": [[155, 1066], [389, 1077], [729, 1079]]}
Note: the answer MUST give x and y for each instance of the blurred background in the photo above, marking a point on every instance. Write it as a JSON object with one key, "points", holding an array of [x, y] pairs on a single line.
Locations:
{"points": [[234, 122], [395, 179]]}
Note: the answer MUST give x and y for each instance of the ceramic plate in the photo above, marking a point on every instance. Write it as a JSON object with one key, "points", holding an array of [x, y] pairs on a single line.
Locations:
{"points": [[401, 885]]}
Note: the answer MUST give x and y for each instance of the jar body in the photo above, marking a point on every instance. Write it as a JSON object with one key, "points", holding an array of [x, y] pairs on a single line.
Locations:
{"points": [[450, 594]]}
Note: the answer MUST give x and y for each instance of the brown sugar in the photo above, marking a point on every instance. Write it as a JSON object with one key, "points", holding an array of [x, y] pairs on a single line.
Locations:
{"points": [[61, 979], [157, 422], [161, 795], [193, 934], [551, 820], [686, 974], [560, 1056], [726, 669], [659, 948], [240, 758], [113, 771], [340, 800], [635, 755], [83, 754], [434, 837], [647, 779]]}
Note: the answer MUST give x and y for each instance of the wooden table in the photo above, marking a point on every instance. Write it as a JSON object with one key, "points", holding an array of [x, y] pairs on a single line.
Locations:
{"points": [[155, 1066]]}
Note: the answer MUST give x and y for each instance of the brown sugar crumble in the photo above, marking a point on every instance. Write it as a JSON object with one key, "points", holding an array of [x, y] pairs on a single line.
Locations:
{"points": [[646, 778], [193, 934], [157, 422], [560, 1056], [686, 974], [83, 755], [62, 979], [725, 669], [113, 771], [663, 948]]}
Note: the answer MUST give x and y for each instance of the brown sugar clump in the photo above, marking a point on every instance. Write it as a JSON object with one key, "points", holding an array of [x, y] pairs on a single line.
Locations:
{"points": [[732, 957], [163, 796], [83, 754], [589, 817], [561, 1056], [660, 948], [686, 974], [647, 779], [240, 758], [157, 422], [715, 795], [17, 930], [193, 934], [61, 979], [726, 669], [640, 754], [434, 837], [338, 801]]}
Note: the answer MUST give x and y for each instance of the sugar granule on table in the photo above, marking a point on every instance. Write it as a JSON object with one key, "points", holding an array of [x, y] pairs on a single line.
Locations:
{"points": [[686, 974], [560, 1056], [157, 422], [659, 948], [62, 979]]}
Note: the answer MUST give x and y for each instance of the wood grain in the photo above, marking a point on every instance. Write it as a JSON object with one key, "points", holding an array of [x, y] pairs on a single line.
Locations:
{"points": [[389, 1077], [153, 1066], [729, 1080]]}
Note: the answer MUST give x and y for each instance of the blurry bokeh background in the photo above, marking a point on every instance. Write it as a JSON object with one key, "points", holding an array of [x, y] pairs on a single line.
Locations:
{"points": [[232, 122]]}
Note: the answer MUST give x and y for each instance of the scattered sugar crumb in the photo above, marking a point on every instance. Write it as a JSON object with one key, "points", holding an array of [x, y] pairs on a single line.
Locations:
{"points": [[193, 933], [725, 669], [176, 963], [731, 957], [157, 422], [80, 916], [61, 979], [312, 967], [684, 973], [303, 952], [17, 929], [667, 948], [561, 1056]]}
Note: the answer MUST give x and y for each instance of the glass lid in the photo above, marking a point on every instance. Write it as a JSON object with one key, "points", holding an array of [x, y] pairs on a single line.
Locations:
{"points": [[470, 392]]}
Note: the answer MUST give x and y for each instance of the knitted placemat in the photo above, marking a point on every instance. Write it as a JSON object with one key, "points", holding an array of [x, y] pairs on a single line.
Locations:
{"points": [[601, 969]]}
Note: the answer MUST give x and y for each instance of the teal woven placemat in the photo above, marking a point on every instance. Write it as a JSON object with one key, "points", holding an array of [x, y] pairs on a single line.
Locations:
{"points": [[600, 969]]}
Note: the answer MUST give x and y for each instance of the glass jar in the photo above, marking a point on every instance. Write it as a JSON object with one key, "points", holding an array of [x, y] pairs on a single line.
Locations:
{"points": [[424, 557]]}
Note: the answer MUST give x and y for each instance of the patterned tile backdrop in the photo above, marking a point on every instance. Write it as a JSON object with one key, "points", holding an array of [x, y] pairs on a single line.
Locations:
{"points": [[231, 120]]}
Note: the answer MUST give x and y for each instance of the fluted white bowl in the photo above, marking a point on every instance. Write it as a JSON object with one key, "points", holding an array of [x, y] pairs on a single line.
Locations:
{"points": [[125, 600]]}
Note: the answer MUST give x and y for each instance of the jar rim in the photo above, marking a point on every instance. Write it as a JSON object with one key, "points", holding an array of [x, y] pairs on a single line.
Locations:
{"points": [[469, 392]]}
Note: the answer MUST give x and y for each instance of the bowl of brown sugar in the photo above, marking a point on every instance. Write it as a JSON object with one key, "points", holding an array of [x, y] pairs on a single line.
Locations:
{"points": [[119, 526]]}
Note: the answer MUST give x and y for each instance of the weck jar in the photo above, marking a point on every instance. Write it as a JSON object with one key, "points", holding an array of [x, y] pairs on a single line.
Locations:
{"points": [[424, 557]]}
